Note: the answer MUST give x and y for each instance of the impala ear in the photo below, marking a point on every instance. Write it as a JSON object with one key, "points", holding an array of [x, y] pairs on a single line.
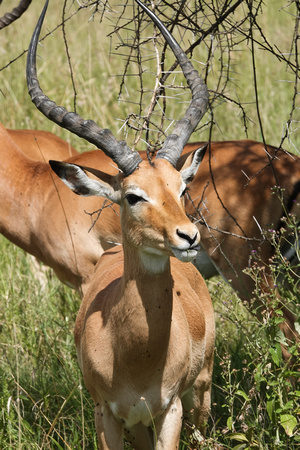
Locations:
{"points": [[76, 178], [192, 164]]}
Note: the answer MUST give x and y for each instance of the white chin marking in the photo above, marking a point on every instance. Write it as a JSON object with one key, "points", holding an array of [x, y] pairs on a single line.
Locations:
{"points": [[154, 261], [184, 255]]}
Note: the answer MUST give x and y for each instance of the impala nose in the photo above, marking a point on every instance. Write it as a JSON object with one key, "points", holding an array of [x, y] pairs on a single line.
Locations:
{"points": [[191, 239]]}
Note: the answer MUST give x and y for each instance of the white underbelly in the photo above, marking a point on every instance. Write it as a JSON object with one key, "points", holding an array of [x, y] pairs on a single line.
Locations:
{"points": [[142, 410]]}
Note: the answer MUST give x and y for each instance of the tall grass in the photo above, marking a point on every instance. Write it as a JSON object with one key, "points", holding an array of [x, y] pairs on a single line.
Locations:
{"points": [[43, 402]]}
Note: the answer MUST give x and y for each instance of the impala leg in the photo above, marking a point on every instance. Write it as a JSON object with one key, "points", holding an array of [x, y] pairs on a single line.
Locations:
{"points": [[109, 430], [140, 437], [197, 402], [168, 427]]}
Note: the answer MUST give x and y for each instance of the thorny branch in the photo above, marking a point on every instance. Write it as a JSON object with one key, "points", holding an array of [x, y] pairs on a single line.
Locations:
{"points": [[211, 32], [98, 213]]}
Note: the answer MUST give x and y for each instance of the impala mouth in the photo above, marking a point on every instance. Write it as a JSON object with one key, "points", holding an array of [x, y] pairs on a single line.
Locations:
{"points": [[186, 255]]}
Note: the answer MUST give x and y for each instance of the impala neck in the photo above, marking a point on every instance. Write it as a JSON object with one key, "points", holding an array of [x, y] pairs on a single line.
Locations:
{"points": [[150, 275], [144, 314], [153, 264], [140, 263]]}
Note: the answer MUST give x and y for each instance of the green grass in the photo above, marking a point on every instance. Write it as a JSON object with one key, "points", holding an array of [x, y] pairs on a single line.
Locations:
{"points": [[43, 403]]}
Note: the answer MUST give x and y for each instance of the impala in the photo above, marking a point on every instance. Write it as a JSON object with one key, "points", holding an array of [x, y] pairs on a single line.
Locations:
{"points": [[37, 211], [232, 200], [10, 17], [37, 144], [145, 330]]}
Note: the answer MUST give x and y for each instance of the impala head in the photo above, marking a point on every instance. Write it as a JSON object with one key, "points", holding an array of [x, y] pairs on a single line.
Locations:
{"points": [[150, 195], [152, 203]]}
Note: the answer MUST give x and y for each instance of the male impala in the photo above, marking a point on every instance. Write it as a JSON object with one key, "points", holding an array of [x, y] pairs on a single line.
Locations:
{"points": [[145, 330], [10, 17]]}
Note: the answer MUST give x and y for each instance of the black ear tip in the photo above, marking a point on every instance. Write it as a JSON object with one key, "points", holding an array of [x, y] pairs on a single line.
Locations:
{"points": [[204, 148], [56, 166], [53, 163]]}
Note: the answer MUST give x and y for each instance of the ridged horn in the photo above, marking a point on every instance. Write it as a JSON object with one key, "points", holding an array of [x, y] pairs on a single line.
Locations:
{"points": [[10, 17], [118, 151], [175, 142]]}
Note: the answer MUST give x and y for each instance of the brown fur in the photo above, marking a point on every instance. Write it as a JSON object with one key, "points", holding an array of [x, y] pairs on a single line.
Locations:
{"points": [[145, 338], [37, 144]]}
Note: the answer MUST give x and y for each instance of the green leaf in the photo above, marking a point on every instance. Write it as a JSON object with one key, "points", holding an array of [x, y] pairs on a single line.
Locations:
{"points": [[239, 437], [56, 443], [287, 406], [270, 409], [258, 375], [243, 394], [229, 423], [276, 354], [297, 327], [277, 320], [288, 422], [279, 336]]}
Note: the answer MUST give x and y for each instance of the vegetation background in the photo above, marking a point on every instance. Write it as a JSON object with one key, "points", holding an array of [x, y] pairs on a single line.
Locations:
{"points": [[43, 403]]}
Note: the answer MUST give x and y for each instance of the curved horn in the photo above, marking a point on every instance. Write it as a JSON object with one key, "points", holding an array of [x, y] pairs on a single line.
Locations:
{"points": [[118, 151], [10, 17], [173, 145]]}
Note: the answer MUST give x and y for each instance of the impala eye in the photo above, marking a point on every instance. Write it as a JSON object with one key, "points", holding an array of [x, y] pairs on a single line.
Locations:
{"points": [[133, 199]]}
